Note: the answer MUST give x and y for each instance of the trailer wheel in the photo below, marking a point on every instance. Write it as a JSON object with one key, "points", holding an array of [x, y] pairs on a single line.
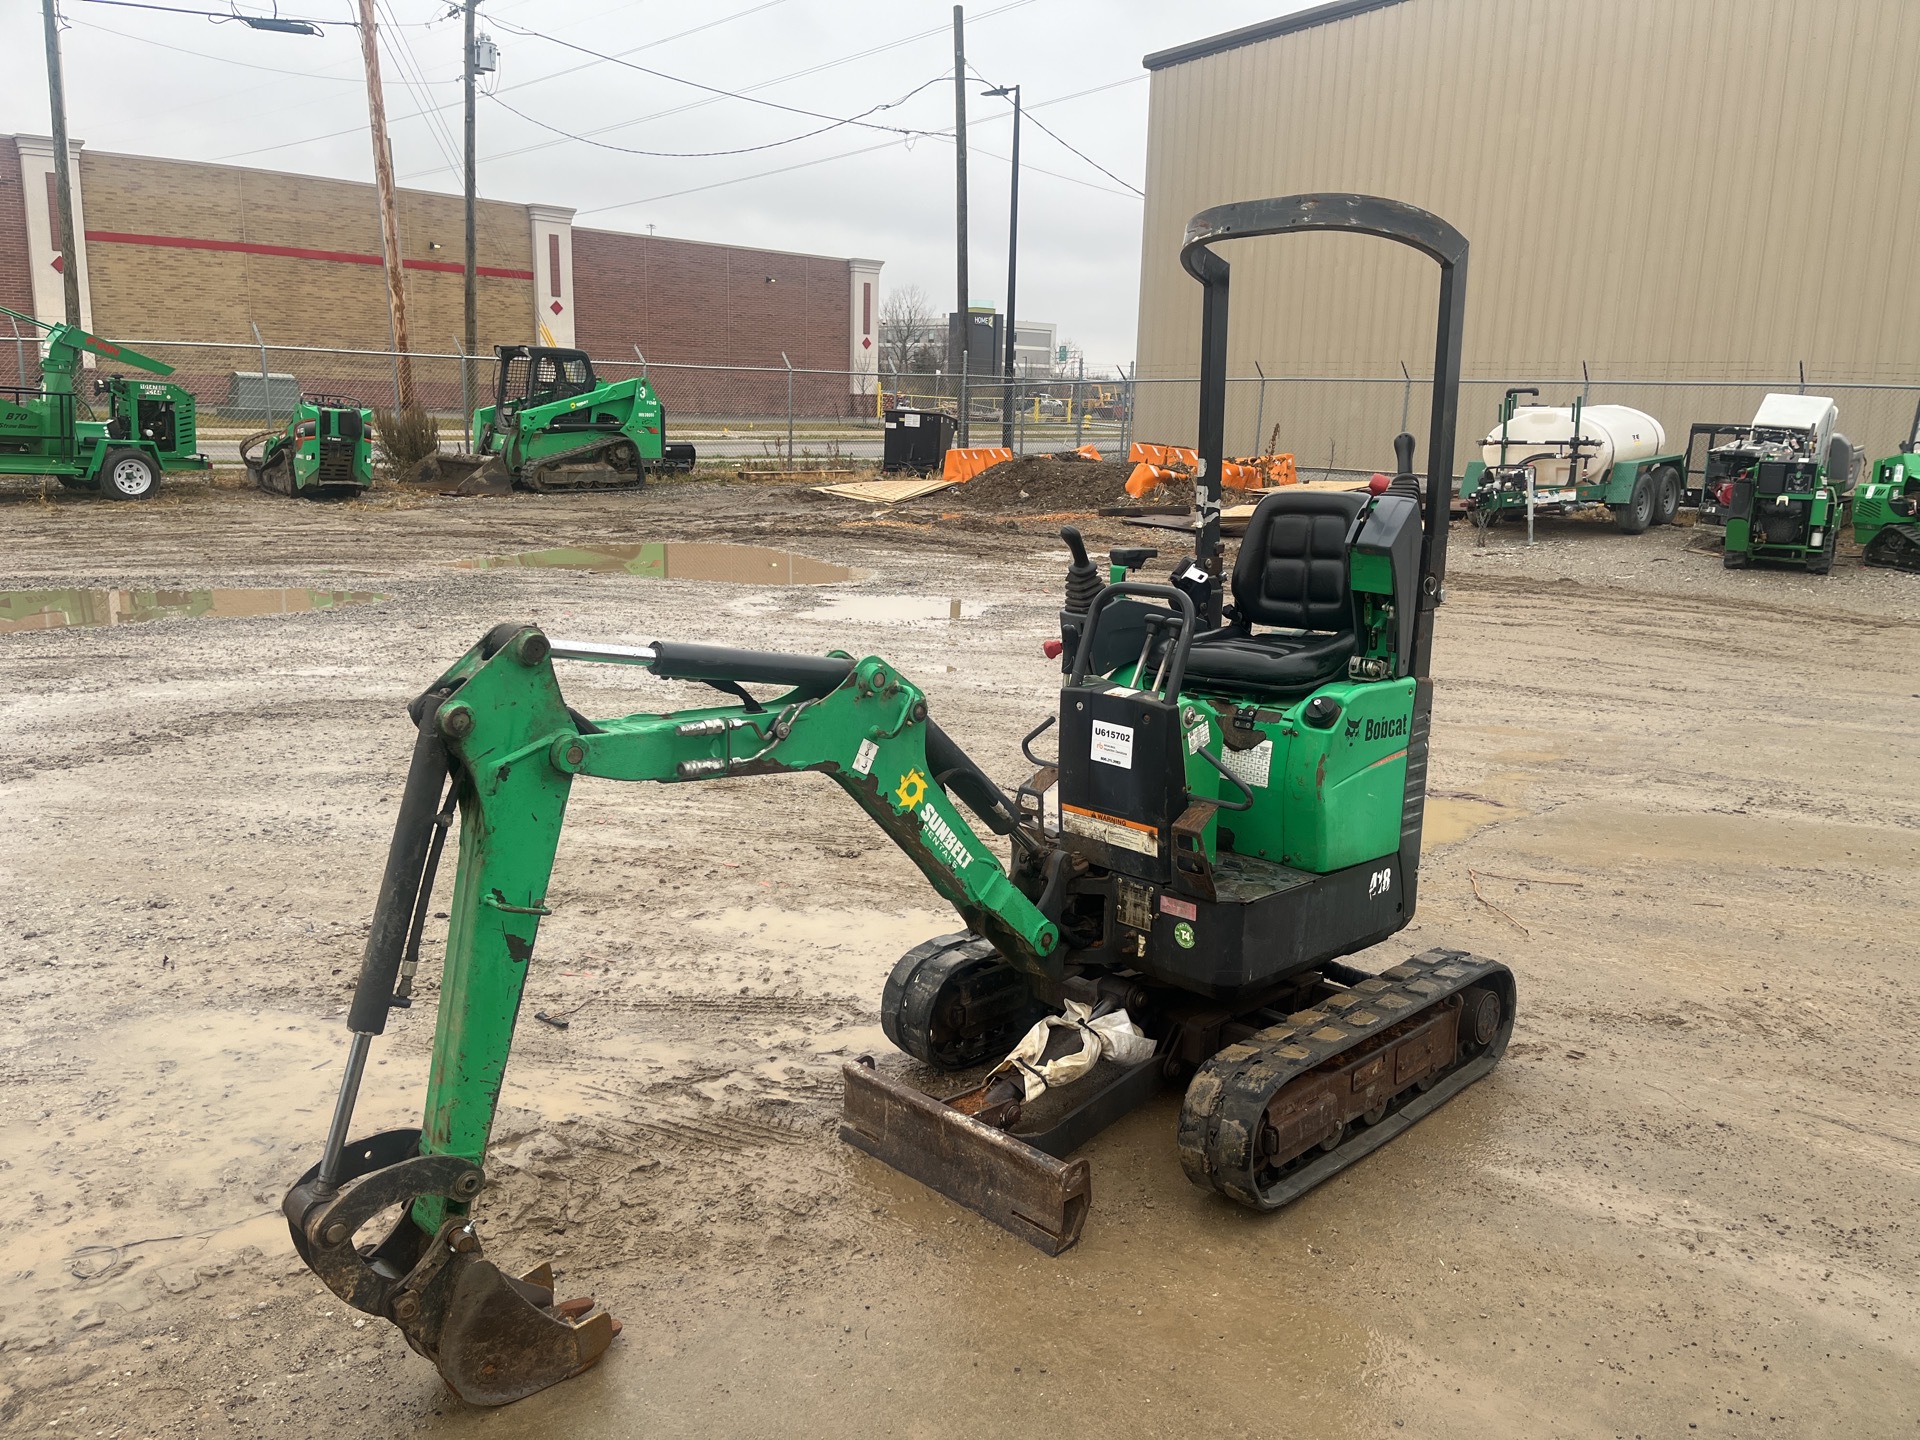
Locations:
{"points": [[1637, 514], [1666, 495], [128, 475]]}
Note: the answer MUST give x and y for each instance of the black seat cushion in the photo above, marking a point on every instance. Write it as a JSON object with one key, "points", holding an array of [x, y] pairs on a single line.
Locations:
{"points": [[1291, 572]]}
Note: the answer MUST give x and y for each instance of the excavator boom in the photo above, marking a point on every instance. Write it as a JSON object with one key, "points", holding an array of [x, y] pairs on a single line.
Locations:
{"points": [[498, 746]]}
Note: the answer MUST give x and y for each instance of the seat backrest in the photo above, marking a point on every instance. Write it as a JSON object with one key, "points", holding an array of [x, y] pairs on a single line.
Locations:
{"points": [[1292, 567]]}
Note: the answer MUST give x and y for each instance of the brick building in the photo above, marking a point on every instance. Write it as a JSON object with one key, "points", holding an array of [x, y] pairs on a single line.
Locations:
{"points": [[180, 251]]}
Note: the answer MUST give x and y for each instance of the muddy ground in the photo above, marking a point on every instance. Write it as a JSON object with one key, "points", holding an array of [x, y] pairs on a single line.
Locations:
{"points": [[1682, 1205]]}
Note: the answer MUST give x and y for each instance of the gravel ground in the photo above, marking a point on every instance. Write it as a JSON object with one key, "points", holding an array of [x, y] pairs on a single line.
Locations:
{"points": [[1670, 797]]}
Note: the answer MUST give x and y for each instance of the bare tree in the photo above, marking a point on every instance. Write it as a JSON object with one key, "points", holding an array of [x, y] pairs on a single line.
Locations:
{"points": [[912, 340]]}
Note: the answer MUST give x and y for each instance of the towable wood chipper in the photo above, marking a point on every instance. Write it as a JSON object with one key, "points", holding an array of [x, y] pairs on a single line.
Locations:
{"points": [[1240, 788], [323, 452], [149, 429], [555, 426]]}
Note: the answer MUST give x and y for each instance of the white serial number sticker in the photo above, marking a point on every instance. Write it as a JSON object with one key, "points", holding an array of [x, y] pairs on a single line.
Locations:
{"points": [[863, 757], [1113, 744]]}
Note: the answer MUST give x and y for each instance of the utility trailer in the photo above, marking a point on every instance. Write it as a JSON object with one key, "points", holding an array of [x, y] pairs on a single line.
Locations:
{"points": [[149, 427], [1555, 459]]}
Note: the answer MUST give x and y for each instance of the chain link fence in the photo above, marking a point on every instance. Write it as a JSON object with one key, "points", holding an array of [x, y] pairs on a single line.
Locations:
{"points": [[1333, 426]]}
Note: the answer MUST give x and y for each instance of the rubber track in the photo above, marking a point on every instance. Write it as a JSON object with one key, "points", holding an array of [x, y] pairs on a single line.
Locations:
{"points": [[1896, 547], [1226, 1103]]}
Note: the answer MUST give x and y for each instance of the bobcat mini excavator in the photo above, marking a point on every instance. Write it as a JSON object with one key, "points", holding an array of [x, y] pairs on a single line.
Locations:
{"points": [[1240, 795]]}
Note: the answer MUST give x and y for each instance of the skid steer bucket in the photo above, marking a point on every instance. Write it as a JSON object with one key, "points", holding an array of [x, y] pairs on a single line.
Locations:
{"points": [[493, 1338], [1020, 1188], [464, 473]]}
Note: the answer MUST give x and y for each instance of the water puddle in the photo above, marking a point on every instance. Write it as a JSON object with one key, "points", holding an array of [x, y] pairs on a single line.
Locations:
{"points": [[62, 609], [1450, 819], [677, 560], [893, 609]]}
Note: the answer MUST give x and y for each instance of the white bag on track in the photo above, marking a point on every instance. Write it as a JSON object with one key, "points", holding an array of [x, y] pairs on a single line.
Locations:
{"points": [[1112, 1035]]}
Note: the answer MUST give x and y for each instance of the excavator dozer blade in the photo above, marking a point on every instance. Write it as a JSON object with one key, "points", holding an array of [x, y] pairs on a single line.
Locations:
{"points": [[1023, 1190], [493, 1338]]}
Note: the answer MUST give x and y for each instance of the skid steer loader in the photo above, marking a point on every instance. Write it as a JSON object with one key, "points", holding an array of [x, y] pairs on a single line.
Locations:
{"points": [[554, 426], [1240, 792]]}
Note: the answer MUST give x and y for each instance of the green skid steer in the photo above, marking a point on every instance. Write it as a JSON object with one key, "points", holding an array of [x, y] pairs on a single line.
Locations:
{"points": [[555, 426], [324, 451], [149, 429], [1886, 508], [1234, 806]]}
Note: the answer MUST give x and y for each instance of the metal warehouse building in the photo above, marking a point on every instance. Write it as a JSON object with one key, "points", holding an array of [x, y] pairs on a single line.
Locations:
{"points": [[1694, 200]]}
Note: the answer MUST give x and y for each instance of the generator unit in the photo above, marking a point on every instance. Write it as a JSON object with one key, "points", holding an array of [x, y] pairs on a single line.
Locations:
{"points": [[1787, 485]]}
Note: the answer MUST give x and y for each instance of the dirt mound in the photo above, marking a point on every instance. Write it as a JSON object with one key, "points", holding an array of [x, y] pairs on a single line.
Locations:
{"points": [[1039, 483]]}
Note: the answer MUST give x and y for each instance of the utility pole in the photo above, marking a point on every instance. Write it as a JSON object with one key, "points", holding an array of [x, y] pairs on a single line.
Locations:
{"points": [[1013, 257], [389, 213], [963, 327], [63, 178], [471, 293]]}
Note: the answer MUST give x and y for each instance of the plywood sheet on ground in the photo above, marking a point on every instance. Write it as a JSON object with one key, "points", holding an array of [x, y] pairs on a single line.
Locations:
{"points": [[883, 492]]}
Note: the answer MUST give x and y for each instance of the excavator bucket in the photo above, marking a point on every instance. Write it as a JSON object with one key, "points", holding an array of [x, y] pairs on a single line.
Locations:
{"points": [[1019, 1187], [493, 1338]]}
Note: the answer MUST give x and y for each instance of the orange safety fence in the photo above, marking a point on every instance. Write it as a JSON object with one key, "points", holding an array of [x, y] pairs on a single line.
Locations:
{"points": [[965, 464]]}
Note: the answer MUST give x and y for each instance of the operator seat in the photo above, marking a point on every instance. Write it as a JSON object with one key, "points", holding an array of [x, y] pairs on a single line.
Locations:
{"points": [[1291, 573]]}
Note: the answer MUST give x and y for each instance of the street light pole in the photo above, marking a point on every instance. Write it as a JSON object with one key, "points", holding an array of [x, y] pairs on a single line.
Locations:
{"points": [[1013, 257]]}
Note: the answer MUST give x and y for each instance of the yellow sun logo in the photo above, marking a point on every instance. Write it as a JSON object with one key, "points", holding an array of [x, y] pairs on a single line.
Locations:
{"points": [[912, 790]]}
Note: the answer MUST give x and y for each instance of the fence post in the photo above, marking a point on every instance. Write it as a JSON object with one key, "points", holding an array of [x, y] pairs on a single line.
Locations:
{"points": [[643, 364], [965, 431], [1586, 384], [1406, 397], [789, 364], [266, 386], [1126, 424], [466, 388], [1260, 414], [1079, 403], [19, 355]]}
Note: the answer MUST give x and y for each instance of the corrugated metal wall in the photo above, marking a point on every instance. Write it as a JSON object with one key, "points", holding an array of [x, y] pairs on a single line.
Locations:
{"points": [[1663, 189]]}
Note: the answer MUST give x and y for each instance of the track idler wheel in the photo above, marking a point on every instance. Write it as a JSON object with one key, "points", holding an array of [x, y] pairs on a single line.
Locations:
{"points": [[953, 1002], [493, 1338]]}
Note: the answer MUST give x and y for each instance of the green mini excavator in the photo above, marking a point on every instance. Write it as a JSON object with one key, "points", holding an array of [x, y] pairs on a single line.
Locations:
{"points": [[1234, 807]]}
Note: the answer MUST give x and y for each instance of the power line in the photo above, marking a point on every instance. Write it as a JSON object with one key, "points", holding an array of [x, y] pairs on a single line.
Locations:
{"points": [[715, 90], [201, 54], [1028, 114], [214, 14], [536, 80], [741, 150], [942, 135], [763, 84]]}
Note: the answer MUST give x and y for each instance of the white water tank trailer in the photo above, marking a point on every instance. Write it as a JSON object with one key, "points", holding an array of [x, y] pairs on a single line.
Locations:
{"points": [[1552, 459], [1541, 436]]}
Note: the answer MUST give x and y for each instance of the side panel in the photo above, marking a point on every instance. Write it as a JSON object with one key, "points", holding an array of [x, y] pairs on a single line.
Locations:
{"points": [[1346, 785]]}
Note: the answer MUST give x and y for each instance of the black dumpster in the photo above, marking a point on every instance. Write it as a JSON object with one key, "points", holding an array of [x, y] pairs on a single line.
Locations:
{"points": [[916, 440]]}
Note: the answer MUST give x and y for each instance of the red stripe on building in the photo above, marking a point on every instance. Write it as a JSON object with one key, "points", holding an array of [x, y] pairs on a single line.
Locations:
{"points": [[295, 252]]}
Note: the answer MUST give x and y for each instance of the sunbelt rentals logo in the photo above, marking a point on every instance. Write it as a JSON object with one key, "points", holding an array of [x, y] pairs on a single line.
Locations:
{"points": [[944, 840]]}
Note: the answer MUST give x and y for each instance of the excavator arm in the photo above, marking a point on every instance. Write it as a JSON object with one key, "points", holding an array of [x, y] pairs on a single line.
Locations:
{"points": [[498, 746]]}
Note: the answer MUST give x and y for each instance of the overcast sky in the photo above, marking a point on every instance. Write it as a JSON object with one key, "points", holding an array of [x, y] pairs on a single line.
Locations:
{"points": [[189, 87]]}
